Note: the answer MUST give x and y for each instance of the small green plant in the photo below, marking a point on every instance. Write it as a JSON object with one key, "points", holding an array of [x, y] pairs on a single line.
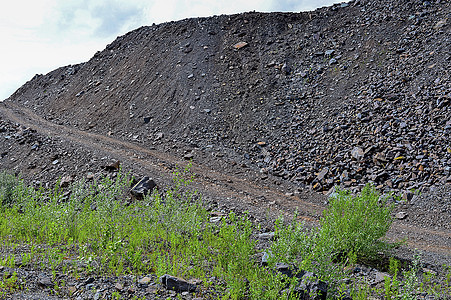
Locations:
{"points": [[292, 241], [357, 223], [9, 284], [7, 184], [391, 285], [360, 292], [116, 296], [411, 282]]}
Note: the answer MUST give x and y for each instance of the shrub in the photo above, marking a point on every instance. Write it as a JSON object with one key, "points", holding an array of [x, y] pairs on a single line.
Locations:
{"points": [[7, 184], [356, 223]]}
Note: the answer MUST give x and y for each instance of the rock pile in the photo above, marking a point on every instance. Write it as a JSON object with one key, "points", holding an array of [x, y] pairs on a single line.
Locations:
{"points": [[354, 93]]}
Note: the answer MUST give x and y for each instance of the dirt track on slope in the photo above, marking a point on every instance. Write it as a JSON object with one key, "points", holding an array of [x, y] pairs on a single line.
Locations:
{"points": [[242, 193]]}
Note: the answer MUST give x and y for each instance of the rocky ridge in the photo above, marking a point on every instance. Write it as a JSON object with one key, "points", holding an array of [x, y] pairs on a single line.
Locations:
{"points": [[349, 94]]}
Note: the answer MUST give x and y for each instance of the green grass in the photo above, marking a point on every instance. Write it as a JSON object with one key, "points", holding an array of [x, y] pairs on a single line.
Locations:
{"points": [[9, 284], [96, 231]]}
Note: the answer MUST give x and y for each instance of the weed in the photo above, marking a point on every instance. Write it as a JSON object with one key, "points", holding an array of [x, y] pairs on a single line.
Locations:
{"points": [[357, 223], [116, 296], [170, 232], [9, 284], [7, 184], [411, 282], [360, 292], [391, 285]]}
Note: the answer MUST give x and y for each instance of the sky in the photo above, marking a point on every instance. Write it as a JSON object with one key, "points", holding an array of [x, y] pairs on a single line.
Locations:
{"points": [[38, 36]]}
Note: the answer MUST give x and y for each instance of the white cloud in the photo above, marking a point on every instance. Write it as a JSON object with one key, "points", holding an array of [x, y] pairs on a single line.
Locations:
{"points": [[300, 5]]}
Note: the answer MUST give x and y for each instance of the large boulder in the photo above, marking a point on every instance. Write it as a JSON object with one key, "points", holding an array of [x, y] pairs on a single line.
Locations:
{"points": [[144, 187], [177, 284]]}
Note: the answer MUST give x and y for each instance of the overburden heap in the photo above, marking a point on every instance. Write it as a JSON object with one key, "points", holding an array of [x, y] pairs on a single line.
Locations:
{"points": [[354, 93]]}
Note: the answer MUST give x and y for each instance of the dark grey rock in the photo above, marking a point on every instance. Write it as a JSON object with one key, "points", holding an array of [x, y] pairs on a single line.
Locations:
{"points": [[144, 187], [286, 69], [284, 269], [311, 285], [176, 284], [45, 281], [407, 195], [329, 52]]}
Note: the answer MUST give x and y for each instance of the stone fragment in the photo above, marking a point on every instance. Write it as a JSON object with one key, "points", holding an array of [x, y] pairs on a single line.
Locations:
{"points": [[407, 195], [440, 24], [401, 215], [380, 277], [240, 45], [379, 158], [114, 166], [66, 181], [144, 187], [266, 236], [89, 280], [266, 256], [188, 156], [329, 52], [119, 286], [215, 219], [311, 287], [286, 69], [357, 153], [159, 136], [322, 174], [285, 269], [131, 289], [177, 284], [145, 280], [44, 281]]}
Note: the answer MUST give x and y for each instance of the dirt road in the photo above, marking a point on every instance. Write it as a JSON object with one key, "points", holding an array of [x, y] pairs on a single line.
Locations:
{"points": [[233, 191]]}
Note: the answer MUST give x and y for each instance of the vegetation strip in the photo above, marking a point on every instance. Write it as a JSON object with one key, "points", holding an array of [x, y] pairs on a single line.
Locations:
{"points": [[94, 230]]}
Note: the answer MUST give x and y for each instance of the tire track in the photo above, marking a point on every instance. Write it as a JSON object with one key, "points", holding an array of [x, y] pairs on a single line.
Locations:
{"points": [[242, 192]]}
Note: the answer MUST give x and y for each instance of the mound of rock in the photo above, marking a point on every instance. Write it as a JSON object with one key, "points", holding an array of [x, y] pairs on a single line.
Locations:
{"points": [[354, 93]]}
